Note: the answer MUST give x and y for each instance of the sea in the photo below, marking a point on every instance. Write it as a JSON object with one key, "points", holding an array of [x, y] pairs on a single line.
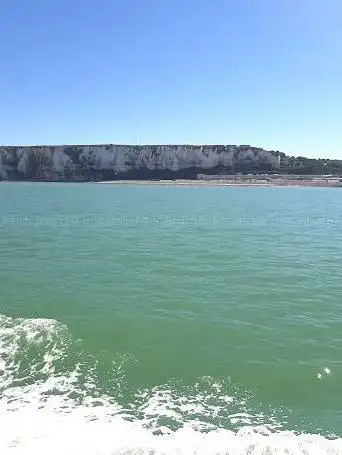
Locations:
{"points": [[170, 319]]}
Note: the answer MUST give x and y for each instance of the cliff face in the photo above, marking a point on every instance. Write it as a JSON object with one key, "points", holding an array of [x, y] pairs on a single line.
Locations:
{"points": [[107, 162]]}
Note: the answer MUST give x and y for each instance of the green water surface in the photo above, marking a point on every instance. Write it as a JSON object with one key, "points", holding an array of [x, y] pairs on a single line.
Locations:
{"points": [[187, 286]]}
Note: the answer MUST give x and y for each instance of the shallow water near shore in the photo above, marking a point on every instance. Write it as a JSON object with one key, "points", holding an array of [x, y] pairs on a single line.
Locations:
{"points": [[170, 319]]}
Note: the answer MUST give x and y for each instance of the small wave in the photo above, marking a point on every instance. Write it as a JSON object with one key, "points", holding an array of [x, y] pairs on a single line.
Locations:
{"points": [[205, 405], [40, 361]]}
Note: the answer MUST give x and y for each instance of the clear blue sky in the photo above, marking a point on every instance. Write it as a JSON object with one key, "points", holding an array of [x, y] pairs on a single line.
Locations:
{"points": [[261, 72]]}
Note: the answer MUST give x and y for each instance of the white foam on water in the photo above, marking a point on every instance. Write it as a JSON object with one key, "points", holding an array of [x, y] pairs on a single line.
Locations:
{"points": [[16, 335], [206, 405], [40, 417], [43, 431]]}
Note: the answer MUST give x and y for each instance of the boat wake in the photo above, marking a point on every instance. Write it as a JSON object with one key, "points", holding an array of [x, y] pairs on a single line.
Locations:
{"points": [[52, 401]]}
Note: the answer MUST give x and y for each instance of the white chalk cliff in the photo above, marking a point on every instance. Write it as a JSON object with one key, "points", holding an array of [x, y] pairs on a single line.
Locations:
{"points": [[99, 162]]}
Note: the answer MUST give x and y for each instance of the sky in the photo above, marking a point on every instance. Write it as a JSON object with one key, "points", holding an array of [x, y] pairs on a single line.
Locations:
{"points": [[262, 72]]}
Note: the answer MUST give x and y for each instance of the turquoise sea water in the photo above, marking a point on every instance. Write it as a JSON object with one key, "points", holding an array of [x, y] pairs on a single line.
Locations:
{"points": [[170, 319]]}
